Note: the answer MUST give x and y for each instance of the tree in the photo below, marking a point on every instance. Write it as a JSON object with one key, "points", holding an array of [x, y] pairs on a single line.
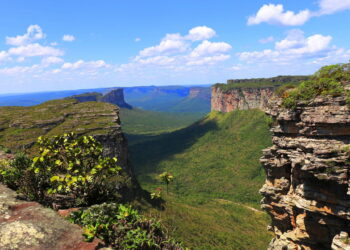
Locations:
{"points": [[167, 178]]}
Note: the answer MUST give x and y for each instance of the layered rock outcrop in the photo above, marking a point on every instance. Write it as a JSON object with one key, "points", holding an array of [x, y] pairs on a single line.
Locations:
{"points": [[240, 98], [307, 189]]}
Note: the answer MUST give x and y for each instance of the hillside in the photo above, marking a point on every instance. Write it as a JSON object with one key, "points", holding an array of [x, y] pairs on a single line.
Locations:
{"points": [[137, 121], [21, 126], [217, 177]]}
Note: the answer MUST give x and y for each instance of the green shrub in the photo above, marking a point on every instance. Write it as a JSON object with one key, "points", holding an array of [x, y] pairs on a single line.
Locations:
{"points": [[122, 227], [75, 167], [329, 80], [13, 172]]}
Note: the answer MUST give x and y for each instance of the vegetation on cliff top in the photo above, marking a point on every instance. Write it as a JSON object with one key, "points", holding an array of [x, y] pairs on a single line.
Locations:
{"points": [[261, 82], [329, 80], [215, 162], [21, 126]]}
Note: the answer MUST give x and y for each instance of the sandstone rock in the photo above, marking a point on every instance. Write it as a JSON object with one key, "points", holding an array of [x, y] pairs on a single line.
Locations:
{"points": [[240, 98], [307, 185], [28, 225]]}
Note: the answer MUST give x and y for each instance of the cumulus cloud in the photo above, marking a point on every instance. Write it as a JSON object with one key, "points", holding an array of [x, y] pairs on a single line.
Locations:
{"points": [[208, 48], [68, 38], [275, 13], [81, 64], [295, 46], [176, 50], [200, 33], [137, 39], [34, 32], [35, 49]]}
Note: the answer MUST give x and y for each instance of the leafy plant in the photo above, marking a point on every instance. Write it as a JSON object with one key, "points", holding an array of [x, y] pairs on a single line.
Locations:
{"points": [[167, 178], [157, 194], [329, 80], [122, 227], [76, 167]]}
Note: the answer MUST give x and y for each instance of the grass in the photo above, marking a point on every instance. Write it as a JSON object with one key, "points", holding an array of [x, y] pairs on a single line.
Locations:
{"points": [[21, 126], [217, 177], [138, 121]]}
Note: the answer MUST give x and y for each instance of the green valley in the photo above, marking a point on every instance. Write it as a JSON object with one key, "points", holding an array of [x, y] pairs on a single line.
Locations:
{"points": [[213, 202]]}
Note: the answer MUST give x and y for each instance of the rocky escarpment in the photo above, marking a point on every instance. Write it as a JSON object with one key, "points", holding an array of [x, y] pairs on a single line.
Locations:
{"points": [[21, 126], [307, 189], [115, 96], [240, 98]]}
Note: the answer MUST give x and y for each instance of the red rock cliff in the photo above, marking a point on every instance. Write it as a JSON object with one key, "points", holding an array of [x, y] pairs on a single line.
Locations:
{"points": [[240, 98]]}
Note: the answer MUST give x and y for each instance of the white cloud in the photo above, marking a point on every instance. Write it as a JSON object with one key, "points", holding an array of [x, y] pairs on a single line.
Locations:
{"points": [[34, 32], [294, 47], [267, 40], [68, 38], [137, 39], [275, 14], [81, 64], [166, 46], [209, 48], [4, 56], [200, 33], [19, 70], [35, 49], [47, 61], [333, 6]]}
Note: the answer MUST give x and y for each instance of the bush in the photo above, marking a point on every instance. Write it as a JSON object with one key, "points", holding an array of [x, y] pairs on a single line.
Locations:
{"points": [[329, 80], [69, 171], [75, 167], [122, 227]]}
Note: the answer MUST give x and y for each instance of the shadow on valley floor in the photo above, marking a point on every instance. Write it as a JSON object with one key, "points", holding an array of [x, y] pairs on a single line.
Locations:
{"points": [[155, 148]]}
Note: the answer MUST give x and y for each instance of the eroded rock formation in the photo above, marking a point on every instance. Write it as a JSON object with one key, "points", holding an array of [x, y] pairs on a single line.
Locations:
{"points": [[240, 98], [307, 190]]}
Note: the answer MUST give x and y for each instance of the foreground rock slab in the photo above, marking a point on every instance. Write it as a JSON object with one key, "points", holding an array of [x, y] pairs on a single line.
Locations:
{"points": [[28, 225]]}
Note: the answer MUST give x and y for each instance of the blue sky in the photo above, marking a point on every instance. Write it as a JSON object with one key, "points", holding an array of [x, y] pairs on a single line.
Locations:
{"points": [[56, 45]]}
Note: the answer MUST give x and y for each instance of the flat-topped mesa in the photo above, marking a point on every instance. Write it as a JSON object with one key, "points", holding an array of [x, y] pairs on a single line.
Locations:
{"points": [[307, 189], [243, 94], [115, 96]]}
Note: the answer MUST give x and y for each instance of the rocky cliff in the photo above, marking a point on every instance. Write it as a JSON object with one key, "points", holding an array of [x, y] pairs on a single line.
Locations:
{"points": [[21, 126], [307, 189], [115, 97], [240, 98]]}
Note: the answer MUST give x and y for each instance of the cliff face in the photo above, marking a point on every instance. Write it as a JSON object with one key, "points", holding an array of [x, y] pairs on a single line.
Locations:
{"points": [[115, 97], [307, 189], [240, 98], [21, 126]]}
